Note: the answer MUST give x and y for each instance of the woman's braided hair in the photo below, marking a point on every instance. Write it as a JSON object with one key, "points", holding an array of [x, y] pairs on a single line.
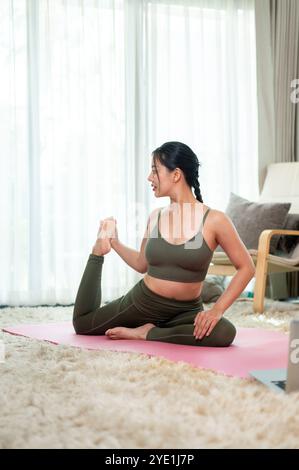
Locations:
{"points": [[197, 189], [178, 155]]}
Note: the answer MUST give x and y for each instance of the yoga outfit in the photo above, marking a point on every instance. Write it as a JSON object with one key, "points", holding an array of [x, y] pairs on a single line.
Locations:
{"points": [[173, 319], [187, 262]]}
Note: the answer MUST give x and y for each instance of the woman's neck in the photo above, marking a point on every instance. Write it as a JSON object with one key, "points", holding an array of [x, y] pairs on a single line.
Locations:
{"points": [[181, 203]]}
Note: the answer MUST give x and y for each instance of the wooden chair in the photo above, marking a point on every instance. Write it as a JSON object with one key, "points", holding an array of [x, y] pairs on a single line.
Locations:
{"points": [[281, 185]]}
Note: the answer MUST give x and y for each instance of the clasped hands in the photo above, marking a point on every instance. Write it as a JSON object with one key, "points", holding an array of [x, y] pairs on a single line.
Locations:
{"points": [[108, 228], [205, 321]]}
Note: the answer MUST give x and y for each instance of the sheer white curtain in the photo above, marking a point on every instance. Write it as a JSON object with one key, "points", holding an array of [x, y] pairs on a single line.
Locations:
{"points": [[204, 86], [88, 89]]}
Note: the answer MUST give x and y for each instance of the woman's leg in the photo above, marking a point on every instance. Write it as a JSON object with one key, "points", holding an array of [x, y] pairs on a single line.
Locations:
{"points": [[89, 318], [180, 329]]}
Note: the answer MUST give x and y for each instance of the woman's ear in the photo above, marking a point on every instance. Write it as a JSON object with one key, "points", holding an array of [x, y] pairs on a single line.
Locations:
{"points": [[177, 175]]}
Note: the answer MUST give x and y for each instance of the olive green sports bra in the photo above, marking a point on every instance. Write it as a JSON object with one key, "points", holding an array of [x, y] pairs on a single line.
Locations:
{"points": [[182, 263]]}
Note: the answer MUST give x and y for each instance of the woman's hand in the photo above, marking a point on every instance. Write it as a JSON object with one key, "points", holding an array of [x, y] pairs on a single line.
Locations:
{"points": [[102, 244], [205, 321], [108, 228]]}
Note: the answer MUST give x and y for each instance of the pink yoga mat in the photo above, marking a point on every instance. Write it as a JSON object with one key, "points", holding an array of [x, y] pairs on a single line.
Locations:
{"points": [[252, 349]]}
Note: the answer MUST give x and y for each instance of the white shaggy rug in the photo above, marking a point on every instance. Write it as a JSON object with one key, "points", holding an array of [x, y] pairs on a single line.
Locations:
{"points": [[63, 397]]}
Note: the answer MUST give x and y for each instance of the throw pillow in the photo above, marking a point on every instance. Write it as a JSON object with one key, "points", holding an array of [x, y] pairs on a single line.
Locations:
{"points": [[251, 218], [211, 291], [287, 243]]}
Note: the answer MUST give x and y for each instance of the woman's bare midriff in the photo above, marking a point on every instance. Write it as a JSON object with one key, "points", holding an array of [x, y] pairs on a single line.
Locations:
{"points": [[172, 289]]}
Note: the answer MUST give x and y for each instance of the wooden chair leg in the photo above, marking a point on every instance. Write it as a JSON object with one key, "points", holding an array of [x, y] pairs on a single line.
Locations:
{"points": [[260, 286]]}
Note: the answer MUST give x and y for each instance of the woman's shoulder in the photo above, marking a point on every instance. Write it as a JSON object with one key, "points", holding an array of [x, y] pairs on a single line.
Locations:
{"points": [[156, 210], [217, 214], [219, 220], [153, 216]]}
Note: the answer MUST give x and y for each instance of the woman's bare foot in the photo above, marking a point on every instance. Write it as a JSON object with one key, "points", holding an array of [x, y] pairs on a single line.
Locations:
{"points": [[102, 245], [121, 332]]}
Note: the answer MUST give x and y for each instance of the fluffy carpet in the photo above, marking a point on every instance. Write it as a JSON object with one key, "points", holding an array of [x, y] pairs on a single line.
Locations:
{"points": [[63, 397]]}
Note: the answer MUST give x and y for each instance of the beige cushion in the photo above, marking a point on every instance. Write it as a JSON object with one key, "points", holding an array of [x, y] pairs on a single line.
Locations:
{"points": [[282, 185]]}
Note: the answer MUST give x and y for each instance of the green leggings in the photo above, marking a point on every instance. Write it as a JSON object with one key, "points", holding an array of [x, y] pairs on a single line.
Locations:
{"points": [[173, 318]]}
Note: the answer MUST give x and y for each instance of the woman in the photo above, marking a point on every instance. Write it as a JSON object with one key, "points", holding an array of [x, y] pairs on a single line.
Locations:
{"points": [[166, 305]]}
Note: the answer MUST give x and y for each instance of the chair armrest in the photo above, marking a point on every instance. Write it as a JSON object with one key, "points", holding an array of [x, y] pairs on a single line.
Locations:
{"points": [[266, 235]]}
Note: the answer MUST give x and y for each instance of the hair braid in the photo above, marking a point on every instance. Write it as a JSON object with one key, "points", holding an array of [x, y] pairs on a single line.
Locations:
{"points": [[197, 189]]}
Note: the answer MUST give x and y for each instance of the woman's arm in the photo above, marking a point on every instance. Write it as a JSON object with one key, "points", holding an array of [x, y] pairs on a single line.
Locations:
{"points": [[134, 258], [234, 289], [129, 255], [229, 239]]}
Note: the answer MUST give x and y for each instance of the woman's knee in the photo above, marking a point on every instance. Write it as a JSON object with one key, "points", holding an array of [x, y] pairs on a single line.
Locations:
{"points": [[79, 320], [76, 327], [229, 333], [226, 333], [79, 327]]}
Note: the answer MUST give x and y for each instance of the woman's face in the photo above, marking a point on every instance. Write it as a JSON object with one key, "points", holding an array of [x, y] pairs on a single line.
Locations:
{"points": [[159, 178]]}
